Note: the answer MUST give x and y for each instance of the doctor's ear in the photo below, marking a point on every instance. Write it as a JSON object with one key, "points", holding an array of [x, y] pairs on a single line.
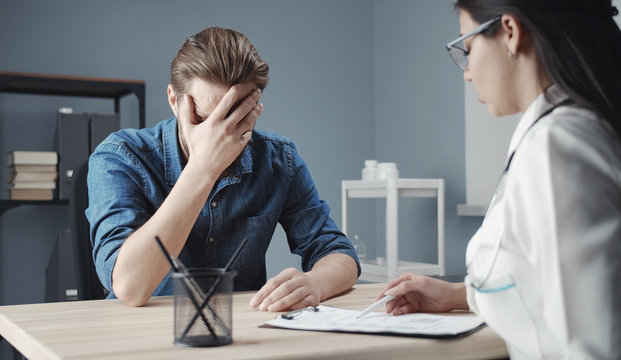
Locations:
{"points": [[513, 34]]}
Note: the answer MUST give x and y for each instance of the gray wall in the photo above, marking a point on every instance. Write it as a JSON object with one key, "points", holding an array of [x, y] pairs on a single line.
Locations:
{"points": [[350, 80], [419, 115]]}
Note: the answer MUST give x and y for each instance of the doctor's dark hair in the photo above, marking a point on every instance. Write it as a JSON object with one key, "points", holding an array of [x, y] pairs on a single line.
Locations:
{"points": [[577, 42], [223, 56]]}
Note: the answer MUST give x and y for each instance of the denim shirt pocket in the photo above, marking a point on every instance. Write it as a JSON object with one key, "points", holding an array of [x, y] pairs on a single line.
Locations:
{"points": [[256, 224], [499, 302], [259, 231]]}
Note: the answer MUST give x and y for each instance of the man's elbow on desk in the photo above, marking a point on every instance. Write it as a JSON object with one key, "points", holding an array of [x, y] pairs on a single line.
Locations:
{"points": [[130, 292], [129, 296]]}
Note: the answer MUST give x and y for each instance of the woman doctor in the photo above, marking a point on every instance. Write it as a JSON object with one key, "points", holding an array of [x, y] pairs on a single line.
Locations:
{"points": [[544, 269]]}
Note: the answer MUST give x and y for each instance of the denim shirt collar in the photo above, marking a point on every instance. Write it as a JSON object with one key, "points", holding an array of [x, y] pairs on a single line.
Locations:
{"points": [[174, 161]]}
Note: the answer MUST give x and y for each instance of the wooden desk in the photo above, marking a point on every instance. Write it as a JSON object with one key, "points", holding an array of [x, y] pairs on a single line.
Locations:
{"points": [[106, 329]]}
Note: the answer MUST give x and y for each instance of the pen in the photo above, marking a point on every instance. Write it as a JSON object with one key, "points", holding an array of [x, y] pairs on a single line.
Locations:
{"points": [[379, 302], [166, 254]]}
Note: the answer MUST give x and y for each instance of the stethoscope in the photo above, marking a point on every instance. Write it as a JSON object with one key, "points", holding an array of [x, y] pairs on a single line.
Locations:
{"points": [[480, 284]]}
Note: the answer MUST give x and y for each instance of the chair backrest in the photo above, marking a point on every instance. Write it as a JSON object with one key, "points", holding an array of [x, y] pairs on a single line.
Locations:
{"points": [[89, 286]]}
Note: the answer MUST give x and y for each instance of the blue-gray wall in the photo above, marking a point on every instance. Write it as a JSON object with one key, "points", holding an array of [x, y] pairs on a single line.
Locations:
{"points": [[350, 80], [419, 120]]}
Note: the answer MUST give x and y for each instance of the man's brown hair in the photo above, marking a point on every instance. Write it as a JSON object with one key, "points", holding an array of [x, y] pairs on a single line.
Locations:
{"points": [[223, 56]]}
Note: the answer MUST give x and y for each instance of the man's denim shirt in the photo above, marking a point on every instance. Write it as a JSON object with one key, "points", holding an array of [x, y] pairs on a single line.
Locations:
{"points": [[132, 172]]}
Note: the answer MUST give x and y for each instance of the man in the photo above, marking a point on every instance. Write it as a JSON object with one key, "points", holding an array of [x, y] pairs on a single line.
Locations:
{"points": [[205, 180]]}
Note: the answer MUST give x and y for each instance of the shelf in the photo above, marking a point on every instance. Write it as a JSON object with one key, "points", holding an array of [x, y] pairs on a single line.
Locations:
{"points": [[374, 272], [10, 204], [392, 190], [405, 188], [471, 210], [78, 86]]}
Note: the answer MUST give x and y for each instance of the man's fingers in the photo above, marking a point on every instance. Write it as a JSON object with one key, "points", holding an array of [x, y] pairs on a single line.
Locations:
{"points": [[308, 300], [227, 103], [186, 110], [269, 287], [232, 100], [284, 287], [281, 291], [286, 299], [246, 126], [245, 108]]}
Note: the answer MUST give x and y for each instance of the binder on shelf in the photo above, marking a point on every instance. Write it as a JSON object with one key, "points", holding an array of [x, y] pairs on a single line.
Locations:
{"points": [[102, 125], [77, 137], [73, 148]]}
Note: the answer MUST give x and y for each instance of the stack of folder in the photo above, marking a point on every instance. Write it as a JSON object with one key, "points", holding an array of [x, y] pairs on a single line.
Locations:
{"points": [[32, 175]]}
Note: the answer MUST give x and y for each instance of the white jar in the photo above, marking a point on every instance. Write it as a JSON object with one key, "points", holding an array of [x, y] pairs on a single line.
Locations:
{"points": [[369, 171], [387, 170]]}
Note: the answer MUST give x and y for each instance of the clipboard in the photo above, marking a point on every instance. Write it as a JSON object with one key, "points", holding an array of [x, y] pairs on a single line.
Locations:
{"points": [[333, 319]]}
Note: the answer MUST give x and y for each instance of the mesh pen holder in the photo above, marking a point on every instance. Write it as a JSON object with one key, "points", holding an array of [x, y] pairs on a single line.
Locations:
{"points": [[203, 307]]}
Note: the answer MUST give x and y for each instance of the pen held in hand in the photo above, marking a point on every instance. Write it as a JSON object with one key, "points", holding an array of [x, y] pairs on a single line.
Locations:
{"points": [[379, 302]]}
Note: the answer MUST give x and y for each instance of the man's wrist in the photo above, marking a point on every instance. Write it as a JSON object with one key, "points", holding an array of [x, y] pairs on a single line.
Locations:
{"points": [[200, 173], [317, 284]]}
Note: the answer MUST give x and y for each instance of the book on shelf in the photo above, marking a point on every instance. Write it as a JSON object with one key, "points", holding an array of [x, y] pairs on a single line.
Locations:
{"points": [[32, 176], [25, 157], [33, 185], [30, 194]]}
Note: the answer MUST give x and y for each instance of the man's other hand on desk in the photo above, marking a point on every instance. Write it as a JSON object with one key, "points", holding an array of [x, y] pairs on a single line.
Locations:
{"points": [[292, 289]]}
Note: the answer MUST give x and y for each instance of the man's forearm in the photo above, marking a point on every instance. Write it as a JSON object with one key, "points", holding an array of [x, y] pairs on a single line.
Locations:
{"points": [[140, 265], [333, 274]]}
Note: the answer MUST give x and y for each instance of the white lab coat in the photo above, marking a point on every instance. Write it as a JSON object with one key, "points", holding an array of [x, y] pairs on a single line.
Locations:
{"points": [[558, 211]]}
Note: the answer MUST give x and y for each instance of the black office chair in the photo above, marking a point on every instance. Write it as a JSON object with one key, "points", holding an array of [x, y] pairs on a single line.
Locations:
{"points": [[89, 286]]}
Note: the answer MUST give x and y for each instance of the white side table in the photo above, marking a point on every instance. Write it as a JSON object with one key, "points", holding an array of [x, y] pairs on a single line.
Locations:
{"points": [[392, 189]]}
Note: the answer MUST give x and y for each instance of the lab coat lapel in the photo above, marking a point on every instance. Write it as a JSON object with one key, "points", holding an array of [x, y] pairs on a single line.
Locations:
{"points": [[547, 100]]}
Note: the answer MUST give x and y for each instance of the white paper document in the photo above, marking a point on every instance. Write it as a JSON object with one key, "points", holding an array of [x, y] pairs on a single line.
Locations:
{"points": [[327, 318]]}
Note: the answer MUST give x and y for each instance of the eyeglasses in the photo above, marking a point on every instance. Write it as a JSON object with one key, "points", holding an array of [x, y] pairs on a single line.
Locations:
{"points": [[457, 49]]}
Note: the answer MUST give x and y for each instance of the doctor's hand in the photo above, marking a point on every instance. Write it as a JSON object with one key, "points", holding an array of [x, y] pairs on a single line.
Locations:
{"points": [[417, 293], [289, 290], [215, 142]]}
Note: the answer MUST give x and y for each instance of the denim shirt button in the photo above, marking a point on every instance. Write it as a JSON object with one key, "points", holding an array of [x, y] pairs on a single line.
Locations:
{"points": [[211, 239], [236, 177], [214, 204]]}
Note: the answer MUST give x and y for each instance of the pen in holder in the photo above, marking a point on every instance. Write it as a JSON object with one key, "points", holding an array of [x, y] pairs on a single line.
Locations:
{"points": [[213, 288], [209, 291]]}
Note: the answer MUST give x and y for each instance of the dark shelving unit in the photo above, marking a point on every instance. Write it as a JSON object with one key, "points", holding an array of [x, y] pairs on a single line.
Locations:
{"points": [[10, 204], [74, 86]]}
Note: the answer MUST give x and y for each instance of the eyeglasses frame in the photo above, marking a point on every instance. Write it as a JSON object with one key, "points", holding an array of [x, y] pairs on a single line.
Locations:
{"points": [[477, 30]]}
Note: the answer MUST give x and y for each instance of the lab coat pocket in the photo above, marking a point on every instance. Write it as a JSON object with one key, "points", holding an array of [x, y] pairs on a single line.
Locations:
{"points": [[501, 305]]}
